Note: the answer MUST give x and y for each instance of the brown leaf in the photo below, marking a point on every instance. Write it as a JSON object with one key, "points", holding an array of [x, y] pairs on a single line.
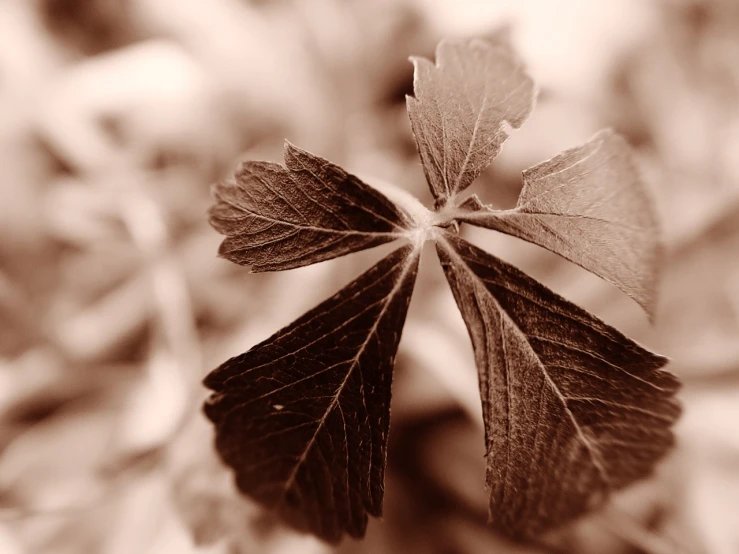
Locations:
{"points": [[573, 409], [464, 109], [589, 205], [280, 218], [303, 417]]}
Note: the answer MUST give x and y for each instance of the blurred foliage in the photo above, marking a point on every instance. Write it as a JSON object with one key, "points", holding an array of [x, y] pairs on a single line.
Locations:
{"points": [[115, 116]]}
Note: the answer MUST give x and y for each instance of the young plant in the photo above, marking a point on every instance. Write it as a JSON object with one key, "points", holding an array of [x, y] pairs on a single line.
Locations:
{"points": [[573, 409]]}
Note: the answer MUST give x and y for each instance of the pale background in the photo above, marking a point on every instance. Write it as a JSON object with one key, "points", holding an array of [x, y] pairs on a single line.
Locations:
{"points": [[116, 115]]}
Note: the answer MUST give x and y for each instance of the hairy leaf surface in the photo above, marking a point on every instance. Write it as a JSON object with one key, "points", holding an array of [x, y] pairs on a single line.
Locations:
{"points": [[464, 108], [589, 205], [279, 217], [303, 417], [573, 409]]}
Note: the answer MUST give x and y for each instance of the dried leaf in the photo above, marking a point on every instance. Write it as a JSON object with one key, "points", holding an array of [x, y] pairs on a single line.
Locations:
{"points": [[278, 217], [303, 417], [464, 109], [573, 409], [588, 205]]}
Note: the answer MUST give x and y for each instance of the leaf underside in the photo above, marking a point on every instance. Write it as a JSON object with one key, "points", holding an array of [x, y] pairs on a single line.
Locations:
{"points": [[303, 417], [277, 217], [573, 409], [587, 204], [464, 108]]}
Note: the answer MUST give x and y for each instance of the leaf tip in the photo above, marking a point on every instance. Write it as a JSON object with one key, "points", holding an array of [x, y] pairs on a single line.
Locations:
{"points": [[288, 150]]}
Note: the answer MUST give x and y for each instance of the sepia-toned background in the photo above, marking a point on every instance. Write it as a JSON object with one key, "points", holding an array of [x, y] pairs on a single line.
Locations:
{"points": [[117, 115]]}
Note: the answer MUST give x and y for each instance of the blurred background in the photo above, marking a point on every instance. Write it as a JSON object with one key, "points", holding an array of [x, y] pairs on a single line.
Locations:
{"points": [[115, 117]]}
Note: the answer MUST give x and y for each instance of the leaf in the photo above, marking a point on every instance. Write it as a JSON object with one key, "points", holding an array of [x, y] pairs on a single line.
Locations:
{"points": [[278, 217], [573, 409], [588, 205], [464, 109], [303, 417]]}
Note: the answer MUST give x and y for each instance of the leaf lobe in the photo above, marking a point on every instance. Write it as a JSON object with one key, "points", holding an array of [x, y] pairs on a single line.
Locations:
{"points": [[311, 210], [464, 108], [573, 410], [303, 417], [589, 205]]}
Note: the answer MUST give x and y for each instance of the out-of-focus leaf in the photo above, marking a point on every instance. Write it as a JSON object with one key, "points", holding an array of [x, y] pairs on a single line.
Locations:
{"points": [[464, 108], [573, 409], [8, 543], [309, 211], [589, 205], [303, 417]]}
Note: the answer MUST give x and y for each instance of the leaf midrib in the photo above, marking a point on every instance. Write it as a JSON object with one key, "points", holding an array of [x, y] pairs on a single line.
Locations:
{"points": [[251, 213], [354, 363], [489, 213], [592, 449]]}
